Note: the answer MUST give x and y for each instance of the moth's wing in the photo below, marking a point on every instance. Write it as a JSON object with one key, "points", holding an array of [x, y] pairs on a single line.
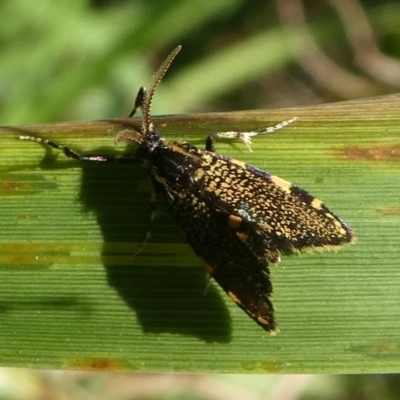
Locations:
{"points": [[243, 276], [269, 214]]}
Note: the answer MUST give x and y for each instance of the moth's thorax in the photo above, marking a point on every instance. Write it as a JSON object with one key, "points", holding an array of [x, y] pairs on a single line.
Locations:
{"points": [[173, 164]]}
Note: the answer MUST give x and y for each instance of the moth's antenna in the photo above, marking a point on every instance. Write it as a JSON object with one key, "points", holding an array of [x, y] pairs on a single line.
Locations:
{"points": [[148, 97]]}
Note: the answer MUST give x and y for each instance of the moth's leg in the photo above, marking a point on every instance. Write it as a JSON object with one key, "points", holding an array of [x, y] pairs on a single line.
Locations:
{"points": [[244, 136], [139, 101], [153, 216], [128, 158]]}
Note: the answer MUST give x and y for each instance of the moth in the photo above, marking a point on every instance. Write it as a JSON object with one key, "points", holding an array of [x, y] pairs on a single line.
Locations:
{"points": [[237, 218]]}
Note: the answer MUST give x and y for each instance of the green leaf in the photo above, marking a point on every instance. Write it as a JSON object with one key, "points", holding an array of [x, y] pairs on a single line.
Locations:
{"points": [[73, 295]]}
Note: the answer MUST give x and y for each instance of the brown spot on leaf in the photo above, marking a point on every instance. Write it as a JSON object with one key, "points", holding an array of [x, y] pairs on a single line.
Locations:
{"points": [[389, 211], [372, 153], [98, 364]]}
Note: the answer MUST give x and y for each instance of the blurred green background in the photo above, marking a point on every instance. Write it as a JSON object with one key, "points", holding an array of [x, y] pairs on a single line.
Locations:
{"points": [[82, 59]]}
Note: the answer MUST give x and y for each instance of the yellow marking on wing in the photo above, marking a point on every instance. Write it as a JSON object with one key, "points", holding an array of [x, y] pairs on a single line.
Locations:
{"points": [[242, 236], [316, 204], [239, 163], [263, 320], [234, 298], [285, 185], [210, 269], [234, 221]]}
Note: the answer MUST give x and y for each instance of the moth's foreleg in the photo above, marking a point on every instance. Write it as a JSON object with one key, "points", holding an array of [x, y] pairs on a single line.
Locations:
{"points": [[129, 158]]}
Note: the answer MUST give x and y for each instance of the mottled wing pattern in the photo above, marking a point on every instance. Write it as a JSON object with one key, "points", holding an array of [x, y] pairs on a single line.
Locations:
{"points": [[268, 213]]}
